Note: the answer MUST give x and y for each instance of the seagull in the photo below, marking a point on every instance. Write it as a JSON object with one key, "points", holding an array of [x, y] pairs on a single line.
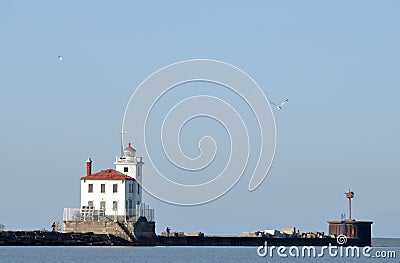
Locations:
{"points": [[280, 106], [60, 57]]}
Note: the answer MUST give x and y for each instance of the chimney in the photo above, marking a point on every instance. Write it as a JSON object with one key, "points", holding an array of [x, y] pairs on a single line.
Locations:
{"points": [[89, 166]]}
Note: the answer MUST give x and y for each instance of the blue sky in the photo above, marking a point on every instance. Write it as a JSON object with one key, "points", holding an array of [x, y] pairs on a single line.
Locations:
{"points": [[337, 61]]}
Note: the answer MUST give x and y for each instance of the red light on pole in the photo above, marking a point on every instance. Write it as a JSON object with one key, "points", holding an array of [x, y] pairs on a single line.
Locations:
{"points": [[349, 195]]}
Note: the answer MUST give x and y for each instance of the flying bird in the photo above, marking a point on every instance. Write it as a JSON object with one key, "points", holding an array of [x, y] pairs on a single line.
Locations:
{"points": [[280, 106], [60, 57]]}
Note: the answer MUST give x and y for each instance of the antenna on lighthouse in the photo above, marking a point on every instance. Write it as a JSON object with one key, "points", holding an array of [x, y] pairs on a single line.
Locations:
{"points": [[349, 195], [122, 142]]}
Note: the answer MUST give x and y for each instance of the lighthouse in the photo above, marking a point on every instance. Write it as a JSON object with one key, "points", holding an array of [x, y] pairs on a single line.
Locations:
{"points": [[111, 202], [114, 193]]}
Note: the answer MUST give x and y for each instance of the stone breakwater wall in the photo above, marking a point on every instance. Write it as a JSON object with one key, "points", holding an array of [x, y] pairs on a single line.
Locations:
{"points": [[140, 232], [47, 238], [253, 241]]}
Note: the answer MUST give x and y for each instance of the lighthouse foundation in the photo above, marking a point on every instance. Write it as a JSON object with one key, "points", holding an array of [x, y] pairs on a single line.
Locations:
{"points": [[139, 232]]}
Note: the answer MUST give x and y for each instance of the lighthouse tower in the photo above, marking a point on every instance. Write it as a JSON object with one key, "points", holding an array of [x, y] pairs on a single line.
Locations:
{"points": [[131, 166]]}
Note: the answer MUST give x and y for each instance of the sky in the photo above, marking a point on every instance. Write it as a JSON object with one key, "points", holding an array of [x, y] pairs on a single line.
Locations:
{"points": [[338, 62]]}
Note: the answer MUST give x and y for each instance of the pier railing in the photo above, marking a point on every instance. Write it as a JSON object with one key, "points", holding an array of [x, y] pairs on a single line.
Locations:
{"points": [[89, 213], [146, 211]]}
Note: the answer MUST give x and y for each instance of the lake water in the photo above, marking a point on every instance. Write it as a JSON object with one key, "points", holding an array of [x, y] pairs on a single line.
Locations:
{"points": [[169, 254]]}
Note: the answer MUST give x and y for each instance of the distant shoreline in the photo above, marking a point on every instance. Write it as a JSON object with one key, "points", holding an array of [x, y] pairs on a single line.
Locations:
{"points": [[385, 242]]}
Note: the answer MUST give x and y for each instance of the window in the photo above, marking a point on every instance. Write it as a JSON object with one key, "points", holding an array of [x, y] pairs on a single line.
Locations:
{"points": [[102, 204], [115, 205], [103, 188], [90, 188], [138, 189], [90, 203], [115, 188], [125, 169], [130, 188], [130, 204]]}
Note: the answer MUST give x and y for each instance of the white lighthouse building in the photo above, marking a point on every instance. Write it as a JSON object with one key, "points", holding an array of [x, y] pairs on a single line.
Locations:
{"points": [[111, 202], [114, 193]]}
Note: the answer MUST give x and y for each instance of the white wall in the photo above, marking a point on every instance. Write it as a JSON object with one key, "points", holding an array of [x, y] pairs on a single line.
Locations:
{"points": [[135, 169], [129, 162], [121, 196]]}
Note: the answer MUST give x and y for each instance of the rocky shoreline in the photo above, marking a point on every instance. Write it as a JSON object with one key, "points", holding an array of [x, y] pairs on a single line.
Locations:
{"points": [[48, 238]]}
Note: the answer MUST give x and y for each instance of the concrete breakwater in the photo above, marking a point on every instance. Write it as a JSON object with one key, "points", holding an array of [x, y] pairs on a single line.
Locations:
{"points": [[47, 238], [253, 241]]}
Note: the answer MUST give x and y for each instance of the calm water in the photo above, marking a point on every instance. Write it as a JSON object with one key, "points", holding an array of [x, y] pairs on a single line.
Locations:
{"points": [[164, 255]]}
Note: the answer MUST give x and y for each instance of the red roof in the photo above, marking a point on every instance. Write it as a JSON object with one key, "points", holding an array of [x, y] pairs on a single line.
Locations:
{"points": [[129, 148], [109, 174]]}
